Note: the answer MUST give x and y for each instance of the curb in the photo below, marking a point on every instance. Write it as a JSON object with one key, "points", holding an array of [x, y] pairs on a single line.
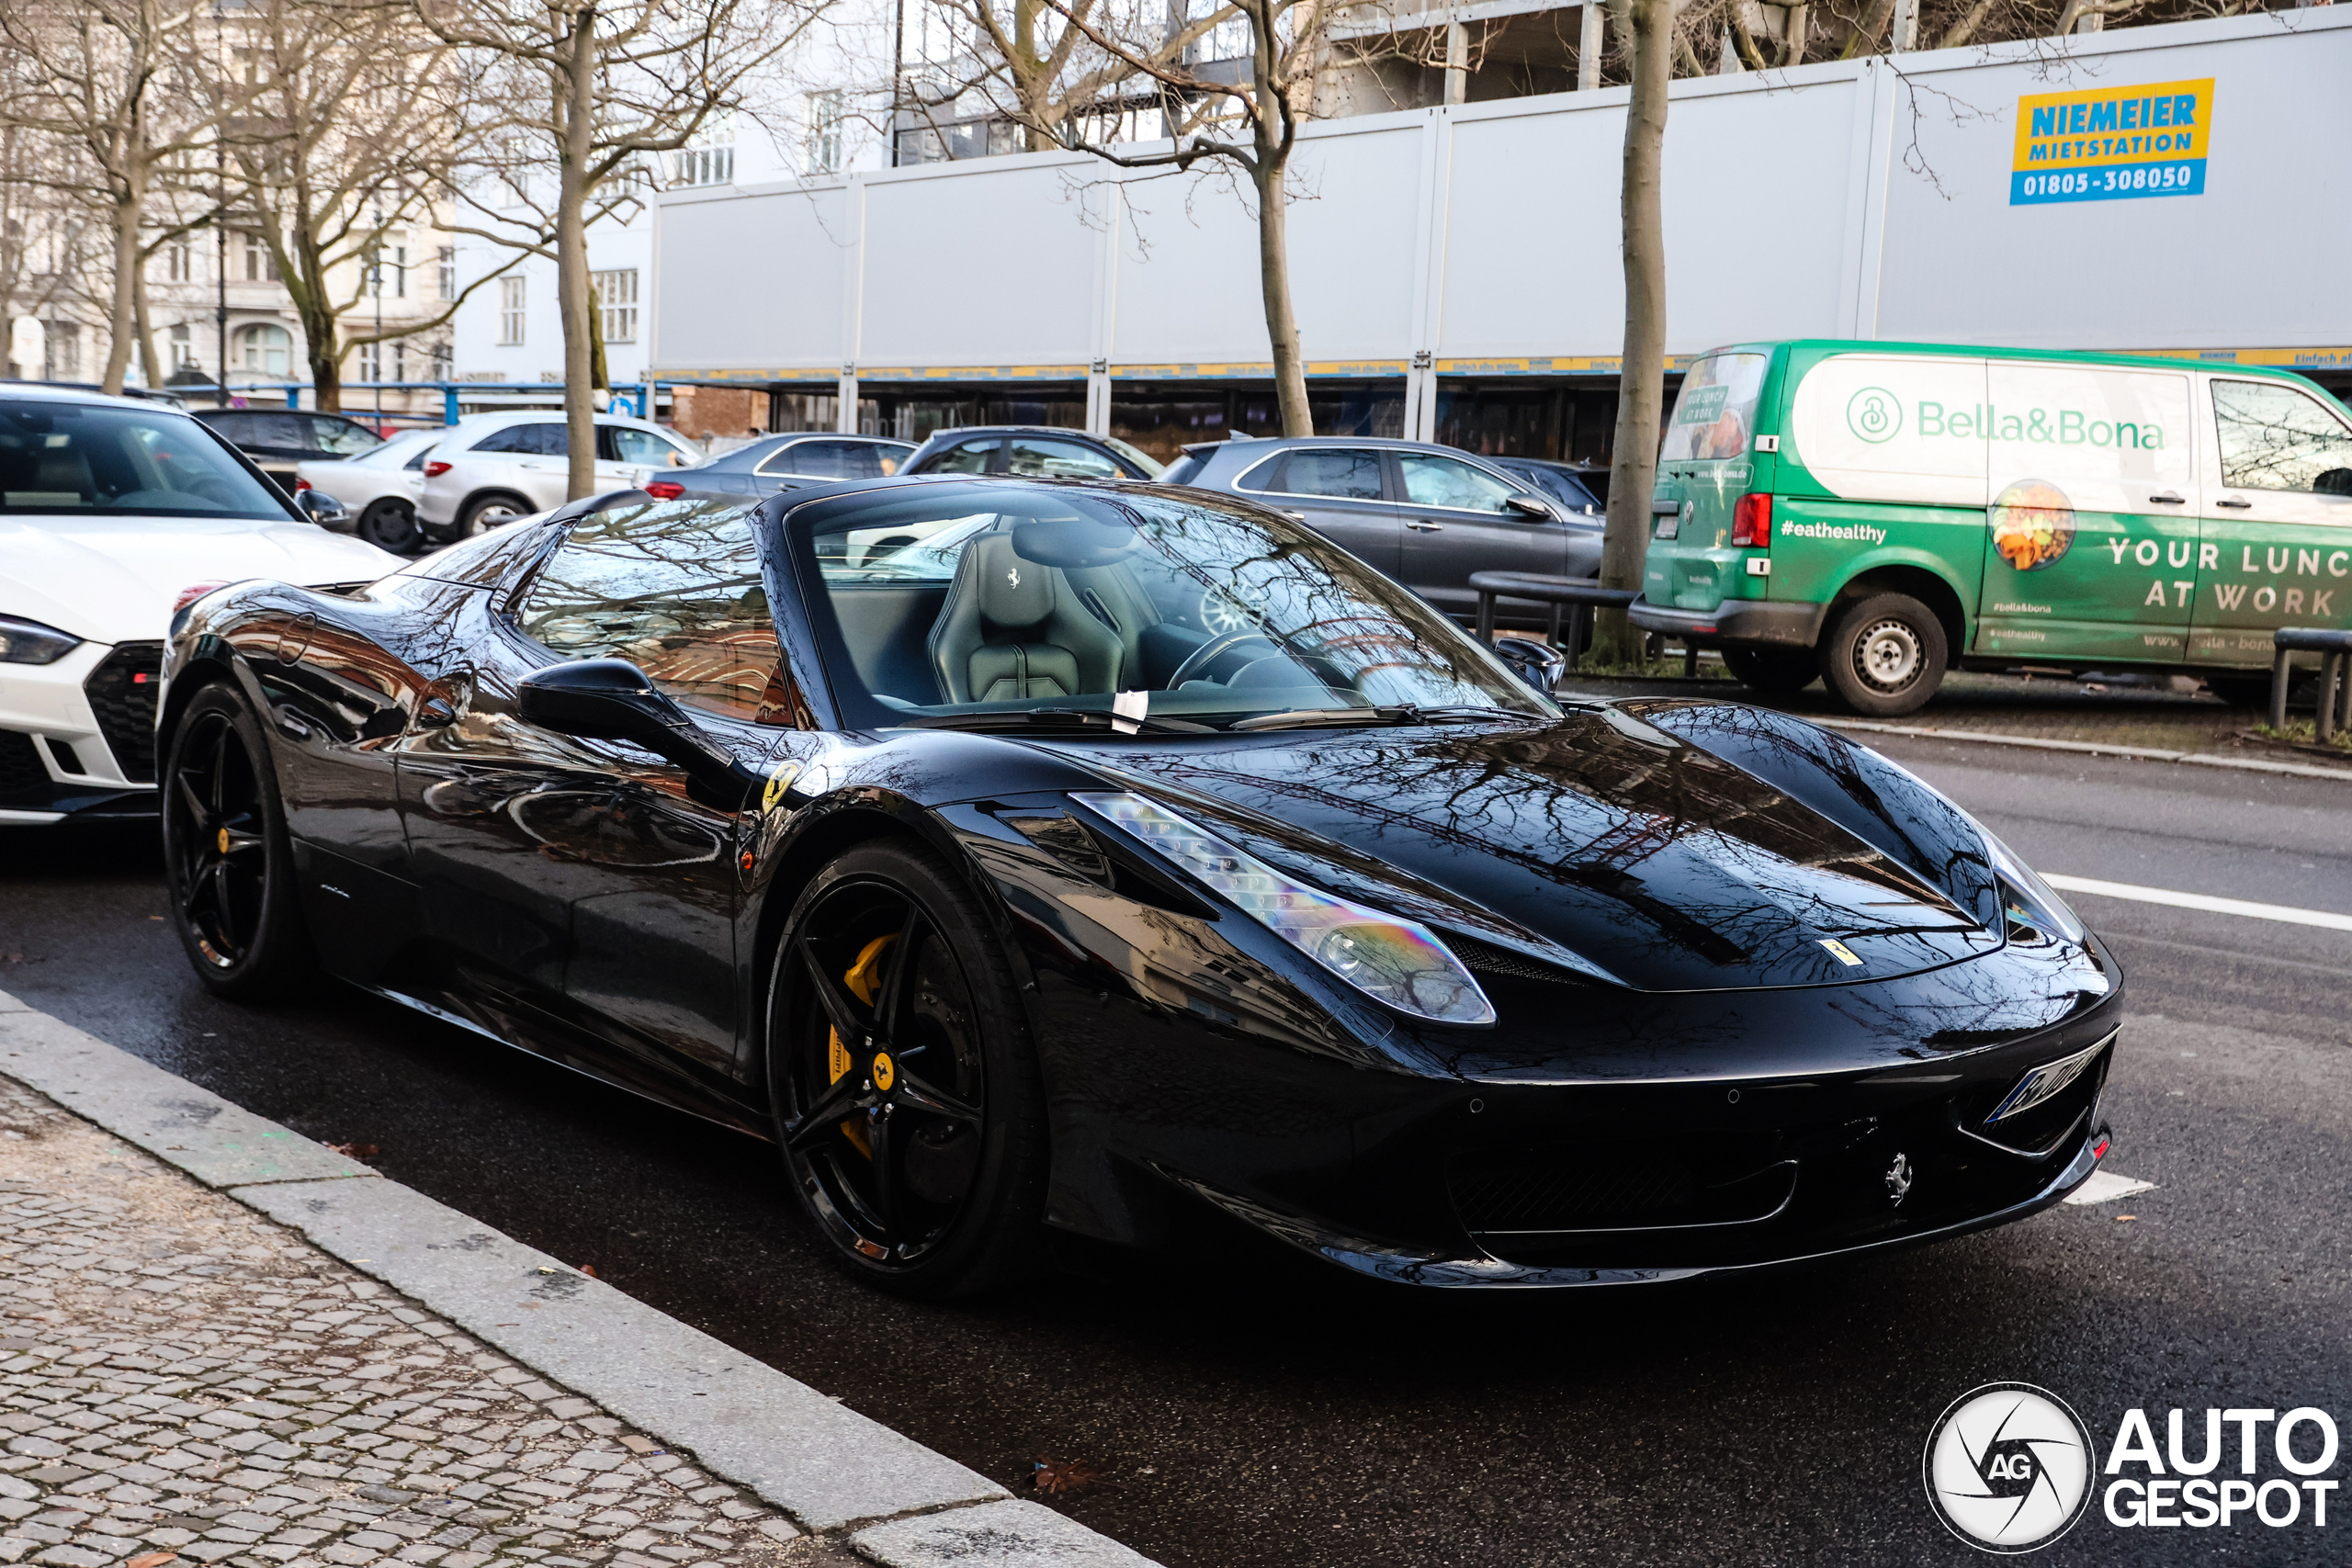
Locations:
{"points": [[2099, 748], [834, 1470]]}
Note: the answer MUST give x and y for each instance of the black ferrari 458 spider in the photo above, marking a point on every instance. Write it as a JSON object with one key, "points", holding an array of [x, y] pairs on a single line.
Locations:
{"points": [[1022, 856]]}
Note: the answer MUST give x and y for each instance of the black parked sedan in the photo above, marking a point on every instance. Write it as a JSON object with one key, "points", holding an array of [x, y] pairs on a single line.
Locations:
{"points": [[1111, 855], [1427, 515], [794, 460], [277, 439]]}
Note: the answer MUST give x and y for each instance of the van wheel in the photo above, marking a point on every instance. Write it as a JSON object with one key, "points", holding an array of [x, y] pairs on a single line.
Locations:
{"points": [[1776, 671], [1886, 655]]}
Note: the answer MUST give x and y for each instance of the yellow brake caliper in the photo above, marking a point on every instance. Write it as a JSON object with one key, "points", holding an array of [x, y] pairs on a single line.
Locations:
{"points": [[865, 977]]}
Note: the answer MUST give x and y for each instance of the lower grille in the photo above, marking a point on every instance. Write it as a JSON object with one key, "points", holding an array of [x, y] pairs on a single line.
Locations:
{"points": [[122, 695], [21, 773], [1576, 1191]]}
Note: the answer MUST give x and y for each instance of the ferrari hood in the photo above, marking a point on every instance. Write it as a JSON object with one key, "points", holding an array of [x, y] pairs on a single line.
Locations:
{"points": [[113, 578], [1654, 860]]}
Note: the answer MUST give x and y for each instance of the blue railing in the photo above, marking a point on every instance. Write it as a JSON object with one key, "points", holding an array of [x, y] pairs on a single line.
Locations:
{"points": [[641, 392]]}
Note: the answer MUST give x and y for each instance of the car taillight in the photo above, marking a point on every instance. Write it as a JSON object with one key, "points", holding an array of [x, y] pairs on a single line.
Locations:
{"points": [[1751, 522], [194, 591], [664, 490], [434, 470], [301, 485]]}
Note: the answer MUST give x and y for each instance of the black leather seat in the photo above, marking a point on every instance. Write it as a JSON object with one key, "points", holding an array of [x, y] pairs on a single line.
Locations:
{"points": [[1012, 629]]}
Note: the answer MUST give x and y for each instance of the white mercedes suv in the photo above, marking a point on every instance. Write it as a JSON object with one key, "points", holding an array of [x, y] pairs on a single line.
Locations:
{"points": [[494, 469]]}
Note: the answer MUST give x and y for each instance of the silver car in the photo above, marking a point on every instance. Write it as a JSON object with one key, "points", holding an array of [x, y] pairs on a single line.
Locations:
{"points": [[492, 470]]}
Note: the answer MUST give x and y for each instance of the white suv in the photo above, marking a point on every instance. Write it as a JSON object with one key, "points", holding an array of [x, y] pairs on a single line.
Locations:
{"points": [[494, 469]]}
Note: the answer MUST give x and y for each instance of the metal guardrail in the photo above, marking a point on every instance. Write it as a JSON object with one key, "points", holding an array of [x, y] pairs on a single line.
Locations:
{"points": [[1578, 594], [2335, 702]]}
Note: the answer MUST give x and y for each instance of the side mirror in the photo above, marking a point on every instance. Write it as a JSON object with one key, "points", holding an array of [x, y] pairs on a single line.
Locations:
{"points": [[1534, 660], [611, 699], [322, 507], [1529, 506]]}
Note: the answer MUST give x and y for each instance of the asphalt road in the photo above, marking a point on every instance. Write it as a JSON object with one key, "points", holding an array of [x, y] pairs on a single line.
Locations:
{"points": [[1247, 1410]]}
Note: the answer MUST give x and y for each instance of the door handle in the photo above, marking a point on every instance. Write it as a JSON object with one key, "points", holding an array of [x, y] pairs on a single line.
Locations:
{"points": [[1295, 517], [2167, 499], [1426, 527], [2233, 502]]}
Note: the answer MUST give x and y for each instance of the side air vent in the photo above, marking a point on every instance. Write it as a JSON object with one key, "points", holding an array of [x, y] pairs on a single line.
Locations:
{"points": [[122, 695]]}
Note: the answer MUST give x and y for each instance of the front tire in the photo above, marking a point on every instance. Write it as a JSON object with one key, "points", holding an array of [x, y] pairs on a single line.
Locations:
{"points": [[1775, 672], [389, 525], [228, 855], [905, 1092], [1885, 655]]}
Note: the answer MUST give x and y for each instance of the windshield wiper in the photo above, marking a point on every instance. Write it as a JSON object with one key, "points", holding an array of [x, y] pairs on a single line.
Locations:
{"points": [[1052, 718], [1407, 713]]}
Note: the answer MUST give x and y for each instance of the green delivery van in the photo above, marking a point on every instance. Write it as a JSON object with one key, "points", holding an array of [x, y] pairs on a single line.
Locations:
{"points": [[1874, 513]]}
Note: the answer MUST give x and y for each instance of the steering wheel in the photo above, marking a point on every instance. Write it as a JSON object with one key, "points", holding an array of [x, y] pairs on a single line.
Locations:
{"points": [[1214, 650]]}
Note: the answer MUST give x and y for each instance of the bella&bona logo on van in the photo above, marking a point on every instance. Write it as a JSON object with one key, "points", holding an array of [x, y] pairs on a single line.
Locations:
{"points": [[2112, 143], [1877, 416]]}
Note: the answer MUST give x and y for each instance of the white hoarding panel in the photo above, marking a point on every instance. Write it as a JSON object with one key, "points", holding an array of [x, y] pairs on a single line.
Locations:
{"points": [[1883, 427], [752, 282], [990, 264], [2166, 186]]}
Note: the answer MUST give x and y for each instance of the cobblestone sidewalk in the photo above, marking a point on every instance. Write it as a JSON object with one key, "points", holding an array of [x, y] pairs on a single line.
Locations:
{"points": [[184, 1379]]}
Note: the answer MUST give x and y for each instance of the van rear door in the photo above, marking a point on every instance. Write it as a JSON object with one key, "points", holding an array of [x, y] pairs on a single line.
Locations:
{"points": [[2091, 548], [2276, 543]]}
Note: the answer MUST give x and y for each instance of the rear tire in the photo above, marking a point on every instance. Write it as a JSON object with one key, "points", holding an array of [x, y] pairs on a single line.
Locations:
{"points": [[916, 1137], [228, 856], [1775, 672], [1885, 655], [389, 525], [487, 511]]}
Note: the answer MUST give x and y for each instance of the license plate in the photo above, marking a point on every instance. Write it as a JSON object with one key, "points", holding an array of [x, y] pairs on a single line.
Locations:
{"points": [[2046, 1081]]}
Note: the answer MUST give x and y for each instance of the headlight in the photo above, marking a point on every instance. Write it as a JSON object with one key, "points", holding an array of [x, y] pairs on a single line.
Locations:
{"points": [[29, 642], [1399, 962], [2026, 898]]}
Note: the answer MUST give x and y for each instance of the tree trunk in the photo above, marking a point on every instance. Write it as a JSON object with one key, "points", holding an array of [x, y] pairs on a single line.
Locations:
{"points": [[122, 323], [1282, 322], [1641, 382], [148, 365], [576, 111]]}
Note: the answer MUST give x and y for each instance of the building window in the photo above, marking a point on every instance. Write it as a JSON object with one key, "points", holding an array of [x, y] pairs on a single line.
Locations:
{"points": [[65, 356], [371, 362], [616, 295], [261, 266], [509, 310], [264, 348], [399, 258], [183, 348], [400, 360], [824, 133], [179, 264], [710, 162], [447, 267], [444, 364]]}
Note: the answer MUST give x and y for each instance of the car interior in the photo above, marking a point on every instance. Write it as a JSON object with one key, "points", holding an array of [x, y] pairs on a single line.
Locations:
{"points": [[62, 457]]}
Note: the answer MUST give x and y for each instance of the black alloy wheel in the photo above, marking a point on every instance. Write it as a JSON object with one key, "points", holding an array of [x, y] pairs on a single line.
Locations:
{"points": [[389, 525], [905, 1096], [225, 847]]}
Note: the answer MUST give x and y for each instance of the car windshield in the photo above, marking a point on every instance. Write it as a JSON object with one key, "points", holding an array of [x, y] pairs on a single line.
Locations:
{"points": [[1009, 605], [114, 462]]}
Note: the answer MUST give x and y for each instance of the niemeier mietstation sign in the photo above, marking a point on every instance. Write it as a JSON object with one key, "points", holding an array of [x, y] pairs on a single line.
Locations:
{"points": [[2112, 143]]}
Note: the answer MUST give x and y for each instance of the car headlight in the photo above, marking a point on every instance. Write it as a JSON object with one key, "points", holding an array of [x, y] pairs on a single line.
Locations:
{"points": [[29, 642], [1399, 962], [2026, 898]]}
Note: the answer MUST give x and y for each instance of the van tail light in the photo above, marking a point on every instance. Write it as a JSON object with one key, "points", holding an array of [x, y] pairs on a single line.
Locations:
{"points": [[664, 490], [1751, 522], [434, 470], [194, 591]]}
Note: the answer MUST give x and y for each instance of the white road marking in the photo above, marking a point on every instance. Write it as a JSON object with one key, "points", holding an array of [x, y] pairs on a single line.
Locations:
{"points": [[2199, 901], [2105, 1187]]}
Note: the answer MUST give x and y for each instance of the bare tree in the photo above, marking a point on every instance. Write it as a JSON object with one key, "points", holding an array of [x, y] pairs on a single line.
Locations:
{"points": [[592, 89], [113, 81]]}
